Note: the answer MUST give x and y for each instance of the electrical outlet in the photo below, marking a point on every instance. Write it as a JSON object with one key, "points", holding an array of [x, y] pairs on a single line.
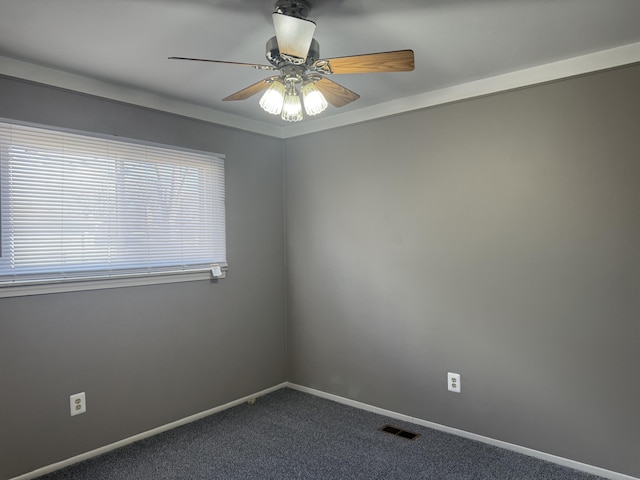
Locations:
{"points": [[78, 403], [453, 380]]}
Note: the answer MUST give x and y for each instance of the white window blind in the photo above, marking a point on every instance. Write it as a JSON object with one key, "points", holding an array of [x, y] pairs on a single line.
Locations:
{"points": [[78, 207]]}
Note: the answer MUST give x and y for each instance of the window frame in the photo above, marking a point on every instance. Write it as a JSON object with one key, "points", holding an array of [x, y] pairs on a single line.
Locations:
{"points": [[116, 280]]}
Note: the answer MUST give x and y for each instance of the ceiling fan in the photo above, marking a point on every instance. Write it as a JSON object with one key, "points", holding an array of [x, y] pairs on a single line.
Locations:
{"points": [[301, 80]]}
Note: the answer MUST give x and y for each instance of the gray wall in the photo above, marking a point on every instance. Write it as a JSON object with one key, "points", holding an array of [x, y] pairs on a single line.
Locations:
{"points": [[498, 238], [147, 355]]}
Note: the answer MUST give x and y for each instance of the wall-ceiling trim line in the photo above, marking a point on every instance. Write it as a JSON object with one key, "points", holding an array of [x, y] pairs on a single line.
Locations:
{"points": [[588, 63], [593, 62], [90, 86]]}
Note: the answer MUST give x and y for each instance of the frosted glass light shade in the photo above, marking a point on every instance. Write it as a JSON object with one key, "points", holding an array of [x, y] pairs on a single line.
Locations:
{"points": [[294, 35], [314, 101], [292, 107], [272, 100]]}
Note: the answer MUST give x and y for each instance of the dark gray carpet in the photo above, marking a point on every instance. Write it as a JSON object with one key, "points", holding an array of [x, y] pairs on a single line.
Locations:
{"points": [[292, 435]]}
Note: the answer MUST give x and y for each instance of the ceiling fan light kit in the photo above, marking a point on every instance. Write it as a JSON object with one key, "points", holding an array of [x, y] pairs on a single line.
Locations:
{"points": [[284, 100], [301, 79]]}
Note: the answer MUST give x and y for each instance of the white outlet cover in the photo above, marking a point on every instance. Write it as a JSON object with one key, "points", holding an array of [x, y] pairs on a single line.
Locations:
{"points": [[77, 403], [453, 382]]}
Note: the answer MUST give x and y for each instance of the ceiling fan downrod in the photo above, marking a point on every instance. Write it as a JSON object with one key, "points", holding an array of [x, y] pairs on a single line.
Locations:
{"points": [[293, 8]]}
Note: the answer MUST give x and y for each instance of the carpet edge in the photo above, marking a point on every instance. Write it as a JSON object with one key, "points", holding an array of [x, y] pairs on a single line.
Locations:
{"points": [[565, 462], [146, 434]]}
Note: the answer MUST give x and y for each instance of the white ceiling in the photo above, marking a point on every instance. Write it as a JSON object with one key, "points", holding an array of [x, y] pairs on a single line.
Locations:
{"points": [[119, 49]]}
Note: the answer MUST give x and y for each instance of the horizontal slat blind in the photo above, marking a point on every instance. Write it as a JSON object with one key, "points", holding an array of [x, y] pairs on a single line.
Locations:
{"points": [[75, 206]]}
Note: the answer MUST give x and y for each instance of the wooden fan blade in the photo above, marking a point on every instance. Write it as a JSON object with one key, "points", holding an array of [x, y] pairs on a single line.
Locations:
{"points": [[250, 90], [335, 94], [396, 61], [252, 65]]}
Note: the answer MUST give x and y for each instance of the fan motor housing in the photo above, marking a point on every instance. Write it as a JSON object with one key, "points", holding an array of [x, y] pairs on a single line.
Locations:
{"points": [[277, 60]]}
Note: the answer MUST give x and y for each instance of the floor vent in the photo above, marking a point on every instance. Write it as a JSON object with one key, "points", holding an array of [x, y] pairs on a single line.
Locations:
{"points": [[399, 432]]}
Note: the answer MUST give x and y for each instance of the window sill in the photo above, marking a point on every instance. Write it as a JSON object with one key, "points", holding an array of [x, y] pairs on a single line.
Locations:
{"points": [[24, 289]]}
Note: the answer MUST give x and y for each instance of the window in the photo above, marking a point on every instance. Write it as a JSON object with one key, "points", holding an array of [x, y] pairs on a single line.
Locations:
{"points": [[77, 208]]}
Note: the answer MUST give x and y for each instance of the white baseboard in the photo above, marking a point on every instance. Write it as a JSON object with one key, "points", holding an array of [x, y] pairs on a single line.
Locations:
{"points": [[149, 433], [583, 467]]}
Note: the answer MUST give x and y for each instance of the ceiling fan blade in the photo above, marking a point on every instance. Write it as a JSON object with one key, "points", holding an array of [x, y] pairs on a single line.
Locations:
{"points": [[250, 90], [396, 61], [334, 93], [252, 65]]}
